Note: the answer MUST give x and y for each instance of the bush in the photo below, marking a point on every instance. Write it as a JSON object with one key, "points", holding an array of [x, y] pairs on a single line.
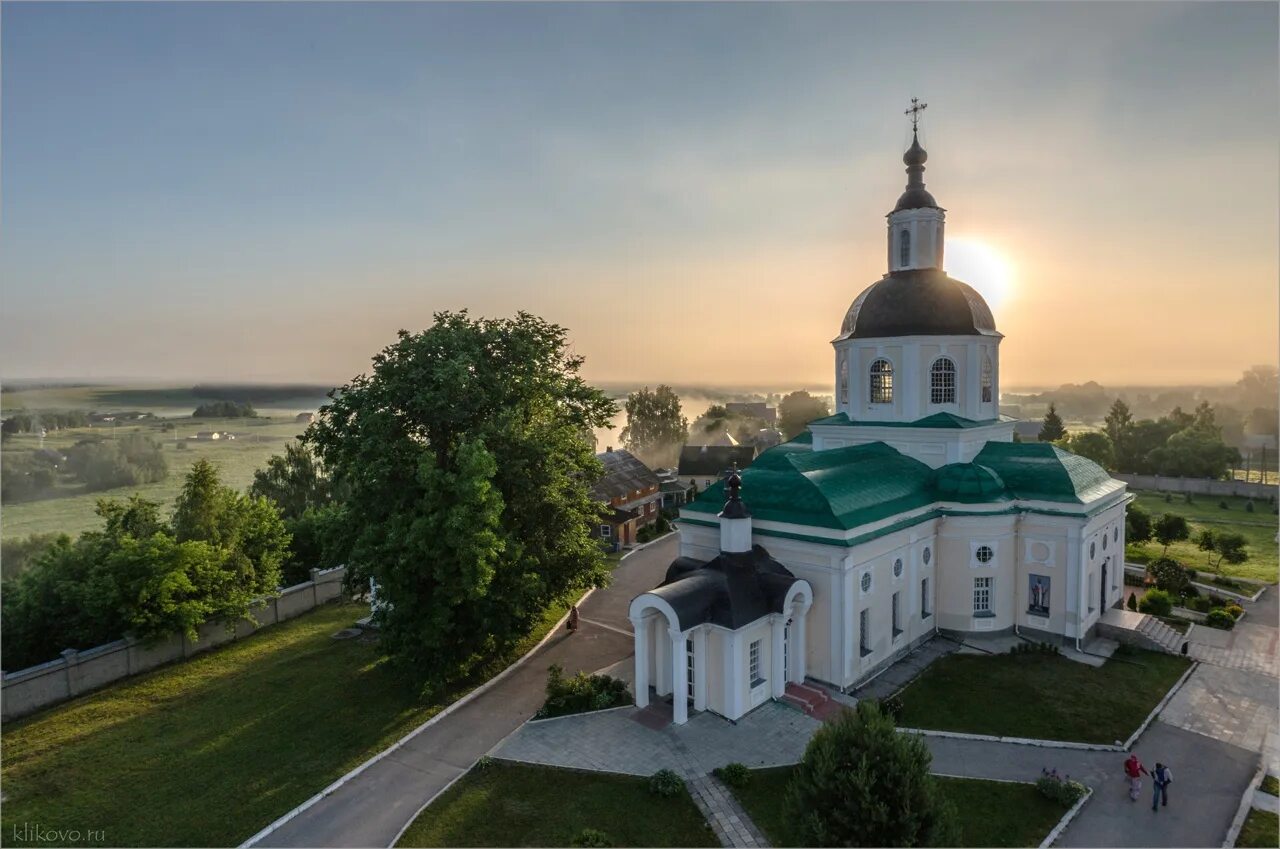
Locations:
{"points": [[1248, 506], [1235, 610], [860, 783], [1156, 602], [1200, 604], [581, 693], [1169, 576], [1168, 498], [1027, 647], [664, 782], [892, 707], [1220, 618], [1060, 789], [734, 774], [591, 837], [1132, 603], [1222, 505]]}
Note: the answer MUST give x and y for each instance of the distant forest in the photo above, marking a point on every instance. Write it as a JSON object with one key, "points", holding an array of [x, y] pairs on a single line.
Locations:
{"points": [[259, 393]]}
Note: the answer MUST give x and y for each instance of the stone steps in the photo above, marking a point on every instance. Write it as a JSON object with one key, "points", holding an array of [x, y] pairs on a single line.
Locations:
{"points": [[811, 700], [1166, 638]]}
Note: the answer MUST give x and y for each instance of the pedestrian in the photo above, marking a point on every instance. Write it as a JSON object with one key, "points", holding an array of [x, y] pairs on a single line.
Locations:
{"points": [[572, 624], [1134, 769], [1161, 778]]}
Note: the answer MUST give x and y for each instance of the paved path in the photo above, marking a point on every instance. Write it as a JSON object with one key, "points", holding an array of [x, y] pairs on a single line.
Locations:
{"points": [[731, 824], [371, 809]]}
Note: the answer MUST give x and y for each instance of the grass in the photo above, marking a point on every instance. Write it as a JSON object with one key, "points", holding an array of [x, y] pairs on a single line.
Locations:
{"points": [[991, 813], [1259, 529], [508, 804], [1261, 829], [1271, 784], [71, 509], [1021, 695], [207, 752]]}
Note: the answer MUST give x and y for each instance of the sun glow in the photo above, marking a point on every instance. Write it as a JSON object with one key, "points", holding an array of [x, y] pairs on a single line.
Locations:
{"points": [[982, 267]]}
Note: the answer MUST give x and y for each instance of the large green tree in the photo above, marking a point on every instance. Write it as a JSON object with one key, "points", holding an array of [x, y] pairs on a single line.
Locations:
{"points": [[655, 428], [797, 409], [466, 481], [1119, 429], [861, 783], [1093, 444], [297, 483], [1052, 429]]}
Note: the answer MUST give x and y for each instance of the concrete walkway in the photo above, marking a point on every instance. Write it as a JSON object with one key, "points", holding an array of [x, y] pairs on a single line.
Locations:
{"points": [[372, 808]]}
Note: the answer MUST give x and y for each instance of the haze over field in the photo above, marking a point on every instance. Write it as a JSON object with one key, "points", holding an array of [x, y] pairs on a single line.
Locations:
{"points": [[268, 191]]}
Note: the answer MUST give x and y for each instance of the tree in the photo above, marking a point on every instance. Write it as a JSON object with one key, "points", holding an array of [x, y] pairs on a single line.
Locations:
{"points": [[225, 410], [1195, 452], [1119, 427], [715, 418], [1259, 386], [1170, 576], [655, 428], [1052, 430], [1229, 546], [293, 481], [1093, 445], [467, 485], [860, 783], [1137, 525], [1170, 528], [797, 409]]}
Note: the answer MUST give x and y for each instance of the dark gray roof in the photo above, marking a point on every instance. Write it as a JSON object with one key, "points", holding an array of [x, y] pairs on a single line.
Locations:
{"points": [[732, 590], [623, 475], [915, 196], [714, 460], [918, 302]]}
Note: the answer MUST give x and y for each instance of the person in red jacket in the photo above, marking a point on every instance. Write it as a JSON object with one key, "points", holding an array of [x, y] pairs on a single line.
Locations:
{"points": [[1134, 769]]}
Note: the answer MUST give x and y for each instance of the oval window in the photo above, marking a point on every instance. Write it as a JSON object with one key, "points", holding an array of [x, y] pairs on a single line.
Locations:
{"points": [[927, 555], [1039, 552], [1115, 535], [984, 554], [897, 568], [866, 582]]}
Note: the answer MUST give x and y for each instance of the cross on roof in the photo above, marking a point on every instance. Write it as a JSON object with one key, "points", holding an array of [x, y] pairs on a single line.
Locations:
{"points": [[916, 108]]}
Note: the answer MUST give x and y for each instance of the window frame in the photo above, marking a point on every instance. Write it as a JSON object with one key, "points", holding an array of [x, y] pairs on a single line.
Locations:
{"points": [[983, 594], [880, 381], [904, 247], [943, 377], [925, 612], [896, 609], [753, 664], [864, 632], [987, 379]]}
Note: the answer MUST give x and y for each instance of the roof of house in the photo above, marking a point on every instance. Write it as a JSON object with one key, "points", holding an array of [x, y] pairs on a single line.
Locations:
{"points": [[756, 409], [844, 488], [712, 460], [623, 475], [731, 590]]}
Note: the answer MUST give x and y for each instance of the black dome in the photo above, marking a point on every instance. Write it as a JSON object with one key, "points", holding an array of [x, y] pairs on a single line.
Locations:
{"points": [[918, 302]]}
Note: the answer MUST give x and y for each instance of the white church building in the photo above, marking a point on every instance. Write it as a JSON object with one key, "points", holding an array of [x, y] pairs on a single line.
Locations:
{"points": [[909, 512]]}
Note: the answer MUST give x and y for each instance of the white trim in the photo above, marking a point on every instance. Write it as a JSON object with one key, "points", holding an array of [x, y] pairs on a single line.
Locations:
{"points": [[1066, 819], [1018, 741], [1246, 804], [485, 687], [1156, 710]]}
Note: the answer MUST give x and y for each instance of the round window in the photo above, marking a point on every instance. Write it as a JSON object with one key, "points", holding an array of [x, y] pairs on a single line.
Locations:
{"points": [[927, 555], [897, 568], [866, 582], [1039, 552], [1093, 548], [984, 554]]}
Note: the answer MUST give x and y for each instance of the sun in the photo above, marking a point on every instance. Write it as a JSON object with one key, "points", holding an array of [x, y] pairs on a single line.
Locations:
{"points": [[982, 267]]}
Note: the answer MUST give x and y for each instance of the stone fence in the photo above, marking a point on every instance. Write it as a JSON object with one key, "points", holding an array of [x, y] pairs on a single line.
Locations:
{"points": [[76, 672], [1199, 486]]}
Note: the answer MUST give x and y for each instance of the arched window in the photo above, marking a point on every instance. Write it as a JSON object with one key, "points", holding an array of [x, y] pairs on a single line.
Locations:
{"points": [[881, 382], [844, 379], [986, 379], [942, 381], [904, 248]]}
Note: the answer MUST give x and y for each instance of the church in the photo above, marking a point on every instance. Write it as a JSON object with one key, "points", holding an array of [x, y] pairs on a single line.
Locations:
{"points": [[909, 512]]}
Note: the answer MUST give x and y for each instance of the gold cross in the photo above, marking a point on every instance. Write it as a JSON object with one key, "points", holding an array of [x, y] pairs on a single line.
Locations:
{"points": [[916, 108]]}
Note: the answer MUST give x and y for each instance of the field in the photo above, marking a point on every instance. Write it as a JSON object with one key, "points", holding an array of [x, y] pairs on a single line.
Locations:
{"points": [[208, 751], [70, 509], [1258, 527], [990, 813]]}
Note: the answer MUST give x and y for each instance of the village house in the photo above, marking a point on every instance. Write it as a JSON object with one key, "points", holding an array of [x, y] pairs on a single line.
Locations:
{"points": [[631, 495], [702, 465]]}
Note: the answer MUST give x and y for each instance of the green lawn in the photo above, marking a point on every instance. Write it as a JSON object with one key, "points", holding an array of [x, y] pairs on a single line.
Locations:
{"points": [[1261, 830], [207, 752], [1258, 527], [71, 509], [992, 813], [1041, 696], [1271, 784], [508, 804]]}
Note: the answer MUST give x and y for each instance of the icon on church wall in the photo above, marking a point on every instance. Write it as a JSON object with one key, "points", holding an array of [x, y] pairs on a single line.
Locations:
{"points": [[1038, 595]]}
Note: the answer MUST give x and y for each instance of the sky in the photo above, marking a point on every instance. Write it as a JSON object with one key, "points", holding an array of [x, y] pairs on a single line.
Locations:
{"points": [[245, 191]]}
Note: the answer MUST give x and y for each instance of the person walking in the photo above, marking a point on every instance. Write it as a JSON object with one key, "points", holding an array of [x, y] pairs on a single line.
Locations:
{"points": [[572, 624], [1134, 769], [1161, 778]]}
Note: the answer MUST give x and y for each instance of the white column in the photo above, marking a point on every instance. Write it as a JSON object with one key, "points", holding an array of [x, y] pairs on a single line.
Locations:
{"points": [[679, 679], [732, 676], [641, 628], [700, 669], [799, 648], [662, 663], [776, 659], [972, 382]]}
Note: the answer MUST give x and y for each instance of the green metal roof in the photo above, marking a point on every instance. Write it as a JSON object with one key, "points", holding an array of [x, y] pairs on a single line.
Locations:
{"points": [[968, 483], [841, 488], [1044, 472], [944, 421]]}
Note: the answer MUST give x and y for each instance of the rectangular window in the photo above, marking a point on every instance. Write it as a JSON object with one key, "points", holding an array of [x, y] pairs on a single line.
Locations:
{"points": [[864, 632], [924, 598], [982, 596], [1038, 595], [606, 532], [753, 663], [897, 625]]}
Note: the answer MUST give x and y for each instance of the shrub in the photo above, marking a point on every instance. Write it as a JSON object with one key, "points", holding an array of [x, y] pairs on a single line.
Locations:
{"points": [[664, 782], [1248, 506], [581, 693], [1222, 505], [1132, 603], [1169, 576], [484, 764], [1220, 618], [1060, 789], [1168, 498], [1200, 604], [734, 774], [892, 706], [591, 837], [1235, 610], [1156, 602]]}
